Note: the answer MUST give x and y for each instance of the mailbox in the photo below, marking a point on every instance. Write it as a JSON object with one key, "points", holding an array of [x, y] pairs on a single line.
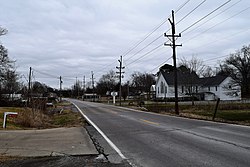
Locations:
{"points": [[12, 114]]}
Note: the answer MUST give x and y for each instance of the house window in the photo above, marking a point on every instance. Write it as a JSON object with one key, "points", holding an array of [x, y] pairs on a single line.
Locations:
{"points": [[162, 87], [230, 86], [209, 88], [166, 89], [182, 89], [216, 88]]}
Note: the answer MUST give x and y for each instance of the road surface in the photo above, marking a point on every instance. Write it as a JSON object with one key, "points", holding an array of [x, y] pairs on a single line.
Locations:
{"points": [[153, 140]]}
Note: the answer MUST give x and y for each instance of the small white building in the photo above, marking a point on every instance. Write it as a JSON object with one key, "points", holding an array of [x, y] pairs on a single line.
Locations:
{"points": [[209, 88]]}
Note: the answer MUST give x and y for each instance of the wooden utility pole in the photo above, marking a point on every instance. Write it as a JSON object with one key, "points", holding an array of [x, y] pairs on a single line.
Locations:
{"points": [[83, 85], [120, 79], [60, 88], [92, 79], [29, 88], [173, 45], [77, 88]]}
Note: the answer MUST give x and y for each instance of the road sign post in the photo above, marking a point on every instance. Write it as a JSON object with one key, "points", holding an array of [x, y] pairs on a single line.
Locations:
{"points": [[114, 94]]}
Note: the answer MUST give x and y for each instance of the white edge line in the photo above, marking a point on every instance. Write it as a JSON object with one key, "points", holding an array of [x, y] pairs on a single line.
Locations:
{"points": [[103, 135]]}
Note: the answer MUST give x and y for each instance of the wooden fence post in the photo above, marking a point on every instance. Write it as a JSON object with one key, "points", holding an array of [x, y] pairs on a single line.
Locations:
{"points": [[216, 108]]}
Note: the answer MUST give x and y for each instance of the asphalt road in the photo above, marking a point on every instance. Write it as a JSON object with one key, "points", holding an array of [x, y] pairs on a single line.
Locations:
{"points": [[152, 140]]}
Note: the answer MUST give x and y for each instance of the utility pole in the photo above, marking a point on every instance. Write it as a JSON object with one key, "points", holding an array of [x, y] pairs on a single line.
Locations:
{"points": [[77, 88], [120, 79], [60, 88], [83, 84], [29, 87], [92, 80], [173, 45]]}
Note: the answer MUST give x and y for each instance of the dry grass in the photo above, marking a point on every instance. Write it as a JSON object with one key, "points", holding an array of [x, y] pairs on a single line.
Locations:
{"points": [[236, 113], [36, 119], [32, 119]]}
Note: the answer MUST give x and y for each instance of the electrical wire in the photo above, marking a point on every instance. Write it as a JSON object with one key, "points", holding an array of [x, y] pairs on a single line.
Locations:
{"points": [[44, 73], [213, 17], [144, 47], [155, 29], [147, 36], [191, 11], [160, 65], [224, 38], [196, 22], [219, 23], [169, 29], [145, 54]]}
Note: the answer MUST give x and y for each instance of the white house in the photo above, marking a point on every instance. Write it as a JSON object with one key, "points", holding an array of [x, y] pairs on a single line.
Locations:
{"points": [[209, 88], [219, 87]]}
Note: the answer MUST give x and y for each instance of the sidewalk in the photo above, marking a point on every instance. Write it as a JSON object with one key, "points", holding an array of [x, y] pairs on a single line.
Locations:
{"points": [[47, 142]]}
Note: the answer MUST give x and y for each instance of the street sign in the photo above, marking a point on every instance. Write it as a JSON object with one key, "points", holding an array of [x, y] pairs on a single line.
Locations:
{"points": [[114, 94]]}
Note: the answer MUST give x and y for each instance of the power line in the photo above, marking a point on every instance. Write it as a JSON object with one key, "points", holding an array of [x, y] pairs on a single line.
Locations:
{"points": [[149, 34], [191, 11], [144, 47], [44, 73], [205, 16], [169, 29], [181, 6], [219, 23], [224, 38], [214, 17], [215, 58], [160, 65], [155, 29], [145, 54]]}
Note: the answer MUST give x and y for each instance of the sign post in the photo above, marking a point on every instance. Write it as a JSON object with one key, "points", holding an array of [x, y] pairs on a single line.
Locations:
{"points": [[114, 94]]}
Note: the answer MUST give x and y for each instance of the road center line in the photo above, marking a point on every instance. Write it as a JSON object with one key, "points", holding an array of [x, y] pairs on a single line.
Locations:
{"points": [[103, 135], [150, 122]]}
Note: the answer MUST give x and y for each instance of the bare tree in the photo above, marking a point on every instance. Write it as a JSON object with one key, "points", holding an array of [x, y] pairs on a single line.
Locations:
{"points": [[142, 81], [237, 65], [194, 65], [207, 72], [107, 82]]}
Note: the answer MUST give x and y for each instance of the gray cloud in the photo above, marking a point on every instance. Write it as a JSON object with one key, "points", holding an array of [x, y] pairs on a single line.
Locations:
{"points": [[73, 38]]}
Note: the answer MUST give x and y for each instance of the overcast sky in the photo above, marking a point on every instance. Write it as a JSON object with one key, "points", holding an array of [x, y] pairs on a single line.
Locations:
{"points": [[71, 38]]}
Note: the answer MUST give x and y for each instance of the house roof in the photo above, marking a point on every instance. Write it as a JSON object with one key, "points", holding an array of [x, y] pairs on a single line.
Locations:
{"points": [[187, 78], [183, 78], [213, 81]]}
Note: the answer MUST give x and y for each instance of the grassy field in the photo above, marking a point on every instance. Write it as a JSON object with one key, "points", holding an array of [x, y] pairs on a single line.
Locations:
{"points": [[61, 115], [237, 113]]}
